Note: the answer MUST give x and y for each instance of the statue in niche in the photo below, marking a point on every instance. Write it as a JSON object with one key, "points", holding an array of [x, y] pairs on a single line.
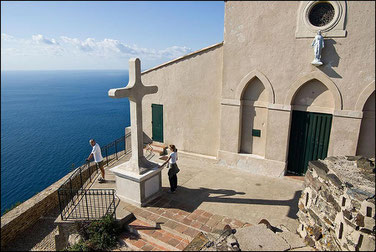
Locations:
{"points": [[318, 44]]}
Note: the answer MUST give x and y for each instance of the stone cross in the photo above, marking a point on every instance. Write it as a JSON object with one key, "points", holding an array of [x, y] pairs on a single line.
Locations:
{"points": [[135, 90]]}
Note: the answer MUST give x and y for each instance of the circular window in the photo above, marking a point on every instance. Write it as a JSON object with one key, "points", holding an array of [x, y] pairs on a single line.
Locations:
{"points": [[321, 14]]}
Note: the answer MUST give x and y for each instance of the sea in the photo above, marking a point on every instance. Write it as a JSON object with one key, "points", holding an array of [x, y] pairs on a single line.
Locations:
{"points": [[47, 120]]}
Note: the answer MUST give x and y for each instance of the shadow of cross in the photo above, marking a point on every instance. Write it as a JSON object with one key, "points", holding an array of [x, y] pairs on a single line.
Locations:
{"points": [[291, 203], [135, 91], [183, 199]]}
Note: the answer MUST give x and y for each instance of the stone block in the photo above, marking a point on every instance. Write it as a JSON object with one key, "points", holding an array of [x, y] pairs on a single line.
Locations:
{"points": [[301, 230], [334, 180], [319, 167], [347, 214], [369, 223], [317, 232], [367, 243], [353, 158], [314, 216], [358, 194], [309, 180], [359, 220], [309, 241], [367, 208], [330, 199]]}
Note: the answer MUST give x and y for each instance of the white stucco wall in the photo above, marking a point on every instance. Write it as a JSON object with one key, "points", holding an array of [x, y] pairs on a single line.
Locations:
{"points": [[261, 36], [189, 90], [204, 94]]}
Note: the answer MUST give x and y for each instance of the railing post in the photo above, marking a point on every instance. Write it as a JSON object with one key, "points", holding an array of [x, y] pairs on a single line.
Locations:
{"points": [[107, 155], [87, 206], [61, 210], [70, 180], [116, 149], [113, 201], [88, 167], [81, 176]]}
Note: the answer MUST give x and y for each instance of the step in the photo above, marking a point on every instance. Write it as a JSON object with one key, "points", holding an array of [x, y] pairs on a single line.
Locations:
{"points": [[158, 144], [156, 149], [176, 228], [139, 243], [159, 236], [174, 217]]}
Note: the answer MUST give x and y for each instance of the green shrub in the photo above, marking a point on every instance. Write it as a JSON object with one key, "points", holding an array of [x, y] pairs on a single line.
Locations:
{"points": [[80, 246], [101, 235]]}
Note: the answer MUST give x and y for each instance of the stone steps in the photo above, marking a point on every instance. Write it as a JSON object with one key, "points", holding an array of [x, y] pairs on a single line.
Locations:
{"points": [[172, 225], [159, 148], [139, 244], [160, 237]]}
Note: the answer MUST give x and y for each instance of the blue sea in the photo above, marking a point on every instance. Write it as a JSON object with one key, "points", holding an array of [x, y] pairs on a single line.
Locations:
{"points": [[47, 119]]}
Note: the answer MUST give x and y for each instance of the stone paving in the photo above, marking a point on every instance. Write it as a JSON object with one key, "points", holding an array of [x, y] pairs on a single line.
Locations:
{"points": [[209, 196]]}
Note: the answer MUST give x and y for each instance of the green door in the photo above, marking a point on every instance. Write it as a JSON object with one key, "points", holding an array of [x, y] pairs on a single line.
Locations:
{"points": [[157, 122], [309, 139]]}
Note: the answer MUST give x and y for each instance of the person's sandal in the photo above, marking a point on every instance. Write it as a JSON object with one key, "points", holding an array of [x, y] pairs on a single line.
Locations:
{"points": [[100, 180]]}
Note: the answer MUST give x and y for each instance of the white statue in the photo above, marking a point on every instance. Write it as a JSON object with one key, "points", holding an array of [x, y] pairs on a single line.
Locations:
{"points": [[318, 44]]}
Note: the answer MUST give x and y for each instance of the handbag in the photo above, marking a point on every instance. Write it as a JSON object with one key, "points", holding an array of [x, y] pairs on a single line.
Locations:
{"points": [[174, 169]]}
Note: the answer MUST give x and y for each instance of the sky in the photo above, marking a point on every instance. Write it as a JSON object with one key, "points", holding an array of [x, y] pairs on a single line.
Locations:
{"points": [[64, 35]]}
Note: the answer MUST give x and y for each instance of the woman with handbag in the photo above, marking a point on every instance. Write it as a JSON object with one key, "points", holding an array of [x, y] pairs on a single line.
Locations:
{"points": [[173, 168]]}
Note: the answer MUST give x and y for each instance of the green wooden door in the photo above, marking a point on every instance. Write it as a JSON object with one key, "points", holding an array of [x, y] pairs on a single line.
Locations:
{"points": [[157, 122], [309, 139]]}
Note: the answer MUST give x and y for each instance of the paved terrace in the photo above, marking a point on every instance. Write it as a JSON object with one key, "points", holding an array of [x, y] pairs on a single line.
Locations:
{"points": [[204, 184], [207, 193]]}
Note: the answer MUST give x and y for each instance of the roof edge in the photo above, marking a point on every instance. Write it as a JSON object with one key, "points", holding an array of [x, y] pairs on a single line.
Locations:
{"points": [[182, 57]]}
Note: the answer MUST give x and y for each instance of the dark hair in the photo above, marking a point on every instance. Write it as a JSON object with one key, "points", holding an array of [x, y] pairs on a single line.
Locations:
{"points": [[173, 148]]}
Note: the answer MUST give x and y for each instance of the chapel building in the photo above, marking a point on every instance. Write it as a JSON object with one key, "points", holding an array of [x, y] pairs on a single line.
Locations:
{"points": [[255, 101]]}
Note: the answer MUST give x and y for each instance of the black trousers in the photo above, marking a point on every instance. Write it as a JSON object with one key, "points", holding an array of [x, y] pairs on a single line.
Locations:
{"points": [[173, 182]]}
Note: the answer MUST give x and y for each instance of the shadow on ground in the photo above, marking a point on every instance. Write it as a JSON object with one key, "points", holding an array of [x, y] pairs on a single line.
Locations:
{"points": [[190, 199]]}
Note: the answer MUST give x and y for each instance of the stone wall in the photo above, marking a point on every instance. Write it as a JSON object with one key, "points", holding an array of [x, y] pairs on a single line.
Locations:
{"points": [[337, 206], [14, 222]]}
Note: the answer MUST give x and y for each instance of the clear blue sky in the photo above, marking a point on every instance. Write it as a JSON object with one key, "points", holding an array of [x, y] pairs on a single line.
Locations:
{"points": [[104, 34]]}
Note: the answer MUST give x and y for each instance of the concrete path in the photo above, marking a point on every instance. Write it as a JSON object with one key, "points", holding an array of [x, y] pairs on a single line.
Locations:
{"points": [[206, 185]]}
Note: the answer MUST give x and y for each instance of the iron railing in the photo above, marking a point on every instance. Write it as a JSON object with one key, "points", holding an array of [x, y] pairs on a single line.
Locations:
{"points": [[87, 204], [74, 198], [112, 149]]}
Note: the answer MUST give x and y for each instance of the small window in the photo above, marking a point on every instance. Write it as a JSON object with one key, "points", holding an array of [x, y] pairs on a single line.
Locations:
{"points": [[321, 14]]}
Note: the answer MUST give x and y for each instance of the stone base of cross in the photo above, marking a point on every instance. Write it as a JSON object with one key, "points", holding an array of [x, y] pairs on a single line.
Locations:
{"points": [[137, 181]]}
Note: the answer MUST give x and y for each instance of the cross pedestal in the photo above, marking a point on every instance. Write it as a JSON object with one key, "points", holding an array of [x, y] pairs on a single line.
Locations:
{"points": [[138, 181]]}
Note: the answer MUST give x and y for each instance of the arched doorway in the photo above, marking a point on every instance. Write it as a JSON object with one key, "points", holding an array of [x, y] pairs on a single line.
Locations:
{"points": [[312, 108], [366, 141], [254, 100]]}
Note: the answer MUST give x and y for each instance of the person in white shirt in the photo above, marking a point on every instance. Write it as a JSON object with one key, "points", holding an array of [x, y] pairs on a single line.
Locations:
{"points": [[173, 168], [98, 159]]}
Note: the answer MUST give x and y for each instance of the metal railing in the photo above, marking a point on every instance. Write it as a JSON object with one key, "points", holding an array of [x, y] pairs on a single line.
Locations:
{"points": [[112, 149], [75, 199], [87, 204]]}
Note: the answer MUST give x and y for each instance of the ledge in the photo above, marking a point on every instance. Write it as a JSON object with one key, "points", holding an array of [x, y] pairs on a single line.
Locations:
{"points": [[183, 57]]}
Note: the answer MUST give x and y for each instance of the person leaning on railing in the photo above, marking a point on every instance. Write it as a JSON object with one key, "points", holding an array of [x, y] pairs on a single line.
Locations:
{"points": [[98, 159], [174, 169]]}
